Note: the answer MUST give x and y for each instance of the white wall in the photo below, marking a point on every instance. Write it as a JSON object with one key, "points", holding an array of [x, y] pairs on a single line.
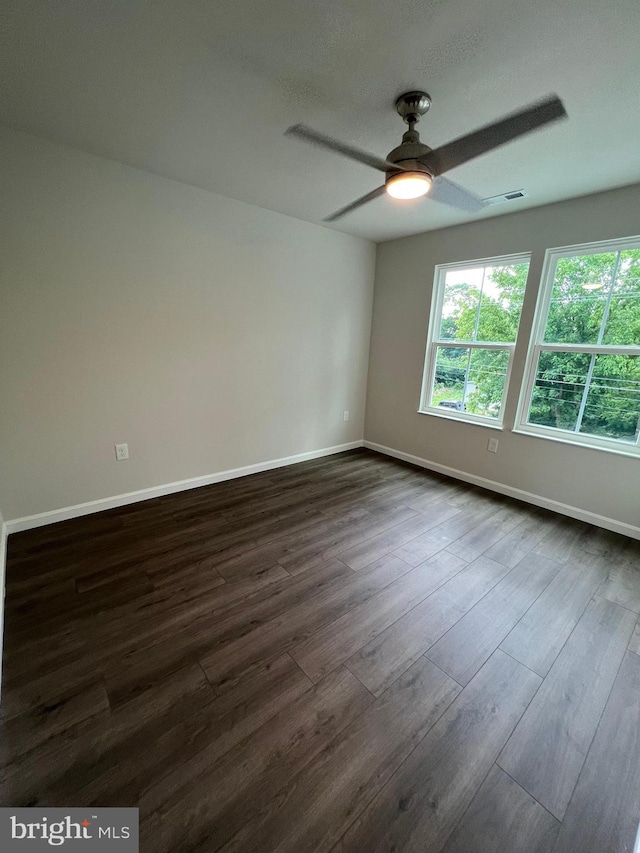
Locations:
{"points": [[592, 480], [206, 333]]}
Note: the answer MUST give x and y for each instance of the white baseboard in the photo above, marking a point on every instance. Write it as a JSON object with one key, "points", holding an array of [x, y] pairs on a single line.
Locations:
{"points": [[512, 492], [16, 525]]}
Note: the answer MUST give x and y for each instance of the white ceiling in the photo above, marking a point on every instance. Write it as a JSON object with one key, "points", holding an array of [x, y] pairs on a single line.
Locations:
{"points": [[202, 90]]}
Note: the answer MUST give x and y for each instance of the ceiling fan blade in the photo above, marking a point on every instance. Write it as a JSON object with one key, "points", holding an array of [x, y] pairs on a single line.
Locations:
{"points": [[358, 203], [301, 131], [493, 135], [448, 192]]}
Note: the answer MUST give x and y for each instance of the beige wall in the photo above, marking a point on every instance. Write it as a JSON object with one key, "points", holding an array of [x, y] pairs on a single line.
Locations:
{"points": [[592, 480], [206, 333]]}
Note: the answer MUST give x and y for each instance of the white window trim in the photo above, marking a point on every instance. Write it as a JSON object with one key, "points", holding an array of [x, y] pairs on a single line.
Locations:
{"points": [[537, 345], [437, 296]]}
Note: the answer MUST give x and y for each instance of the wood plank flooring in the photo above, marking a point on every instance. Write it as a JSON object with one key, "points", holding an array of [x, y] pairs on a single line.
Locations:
{"points": [[349, 654]]}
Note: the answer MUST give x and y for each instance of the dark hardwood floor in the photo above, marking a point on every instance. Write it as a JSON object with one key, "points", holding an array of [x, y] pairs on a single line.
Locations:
{"points": [[349, 654]]}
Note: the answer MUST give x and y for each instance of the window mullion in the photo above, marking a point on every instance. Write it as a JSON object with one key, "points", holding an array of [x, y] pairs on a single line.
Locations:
{"points": [[604, 349], [450, 344]]}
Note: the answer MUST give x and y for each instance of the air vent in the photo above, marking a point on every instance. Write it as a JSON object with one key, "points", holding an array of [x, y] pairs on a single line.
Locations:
{"points": [[513, 195]]}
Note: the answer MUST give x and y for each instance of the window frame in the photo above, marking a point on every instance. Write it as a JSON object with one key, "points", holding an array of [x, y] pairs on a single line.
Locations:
{"points": [[433, 341], [537, 345]]}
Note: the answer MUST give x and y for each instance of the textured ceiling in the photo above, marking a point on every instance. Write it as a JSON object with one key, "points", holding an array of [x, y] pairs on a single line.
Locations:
{"points": [[202, 91]]}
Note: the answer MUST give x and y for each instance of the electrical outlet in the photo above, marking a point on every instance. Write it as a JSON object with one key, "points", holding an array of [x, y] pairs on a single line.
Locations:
{"points": [[492, 447], [346, 416], [122, 452]]}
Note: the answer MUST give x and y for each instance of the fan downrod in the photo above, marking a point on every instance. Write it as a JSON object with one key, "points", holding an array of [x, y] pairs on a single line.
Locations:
{"points": [[412, 105]]}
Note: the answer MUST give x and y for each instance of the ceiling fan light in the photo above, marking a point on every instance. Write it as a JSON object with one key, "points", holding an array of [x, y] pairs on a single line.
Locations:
{"points": [[408, 185]]}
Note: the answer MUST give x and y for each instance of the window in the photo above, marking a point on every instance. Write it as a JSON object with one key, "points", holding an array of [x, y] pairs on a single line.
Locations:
{"points": [[475, 314], [583, 373]]}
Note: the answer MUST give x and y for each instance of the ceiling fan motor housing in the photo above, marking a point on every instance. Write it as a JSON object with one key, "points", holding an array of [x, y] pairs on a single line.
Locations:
{"points": [[411, 106], [407, 156]]}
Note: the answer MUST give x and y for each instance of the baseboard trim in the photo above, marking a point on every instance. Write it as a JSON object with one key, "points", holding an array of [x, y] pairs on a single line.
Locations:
{"points": [[512, 492], [16, 525]]}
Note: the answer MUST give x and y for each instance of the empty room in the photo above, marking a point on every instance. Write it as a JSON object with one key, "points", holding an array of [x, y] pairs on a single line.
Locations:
{"points": [[320, 426]]}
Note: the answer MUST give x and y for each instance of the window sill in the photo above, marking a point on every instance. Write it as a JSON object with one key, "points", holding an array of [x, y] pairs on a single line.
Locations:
{"points": [[462, 419], [633, 452]]}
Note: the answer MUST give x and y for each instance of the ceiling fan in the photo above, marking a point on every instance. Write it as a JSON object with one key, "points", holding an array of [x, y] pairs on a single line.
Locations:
{"points": [[413, 169]]}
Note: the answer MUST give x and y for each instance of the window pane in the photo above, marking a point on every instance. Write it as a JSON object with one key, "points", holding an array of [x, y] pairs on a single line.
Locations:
{"points": [[451, 370], [558, 389], [483, 303], [612, 407], [501, 303], [460, 304], [580, 289], [470, 380], [485, 384], [623, 323]]}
